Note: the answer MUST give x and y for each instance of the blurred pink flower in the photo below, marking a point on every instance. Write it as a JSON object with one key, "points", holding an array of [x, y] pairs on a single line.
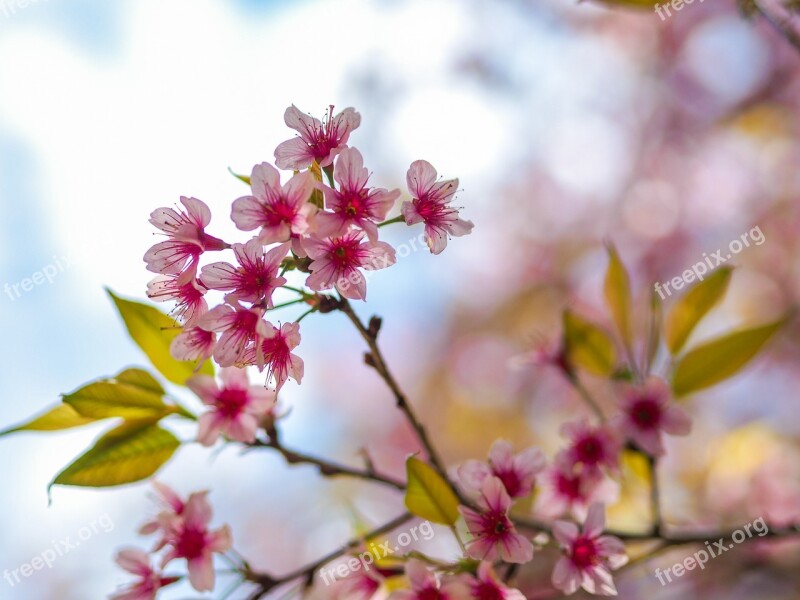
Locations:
{"points": [[240, 328], [565, 489], [193, 343], [337, 263], [648, 410], [150, 580], [426, 586], [188, 537], [431, 205], [592, 447], [589, 557], [183, 289], [493, 533], [353, 204], [280, 211], [487, 586], [172, 506], [187, 238], [235, 406], [318, 141], [256, 277], [517, 472]]}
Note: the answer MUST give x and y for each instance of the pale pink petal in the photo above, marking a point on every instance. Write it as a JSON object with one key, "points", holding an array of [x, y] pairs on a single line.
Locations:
{"points": [[676, 421], [209, 426], [410, 214], [247, 213], [201, 573], [264, 180], [494, 496], [501, 455], [515, 548], [197, 210], [198, 511], [595, 520], [566, 577], [220, 540], [134, 561], [293, 154], [565, 532], [204, 387], [420, 177], [472, 474]]}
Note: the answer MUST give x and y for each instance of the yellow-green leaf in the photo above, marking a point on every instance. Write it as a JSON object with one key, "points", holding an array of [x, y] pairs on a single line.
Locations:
{"points": [[154, 331], [693, 306], [244, 178], [132, 395], [720, 358], [588, 346], [428, 495], [617, 290], [62, 416], [131, 452]]}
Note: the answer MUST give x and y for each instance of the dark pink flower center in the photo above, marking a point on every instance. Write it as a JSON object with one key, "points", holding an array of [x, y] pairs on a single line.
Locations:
{"points": [[511, 481], [231, 401], [584, 553], [487, 590], [191, 543], [346, 253], [590, 450], [432, 212], [569, 486], [276, 350], [495, 525], [278, 213], [429, 593], [354, 203], [646, 413]]}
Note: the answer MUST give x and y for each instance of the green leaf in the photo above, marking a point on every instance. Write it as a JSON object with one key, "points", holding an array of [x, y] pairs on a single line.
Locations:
{"points": [[428, 495], [131, 452], [720, 358], [588, 346], [133, 395], [243, 178], [61, 417], [693, 306], [154, 331], [617, 290]]}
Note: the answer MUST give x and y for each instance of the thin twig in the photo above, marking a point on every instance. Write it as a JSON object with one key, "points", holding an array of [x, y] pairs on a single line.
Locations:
{"points": [[328, 468]]}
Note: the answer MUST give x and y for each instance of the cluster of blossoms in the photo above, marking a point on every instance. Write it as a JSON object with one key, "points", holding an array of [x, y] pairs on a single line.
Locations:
{"points": [[183, 529], [576, 484], [328, 231]]}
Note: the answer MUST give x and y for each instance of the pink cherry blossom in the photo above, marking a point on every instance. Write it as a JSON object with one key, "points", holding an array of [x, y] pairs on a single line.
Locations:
{"points": [[589, 557], [280, 211], [193, 343], [493, 533], [150, 580], [186, 237], [487, 586], [430, 204], [254, 280], [241, 327], [648, 410], [353, 204], [516, 472], [275, 353], [318, 141], [188, 537], [337, 263], [426, 586], [567, 489], [172, 507], [183, 289], [235, 406], [592, 447]]}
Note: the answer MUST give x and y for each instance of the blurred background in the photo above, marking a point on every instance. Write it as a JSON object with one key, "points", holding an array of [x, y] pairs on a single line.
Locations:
{"points": [[568, 125]]}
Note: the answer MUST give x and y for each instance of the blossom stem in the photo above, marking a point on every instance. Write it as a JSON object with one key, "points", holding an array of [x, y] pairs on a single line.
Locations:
{"points": [[290, 303], [397, 219], [305, 314]]}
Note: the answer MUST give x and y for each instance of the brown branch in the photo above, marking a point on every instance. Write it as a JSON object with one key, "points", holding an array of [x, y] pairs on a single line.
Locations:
{"points": [[267, 582], [375, 359], [779, 17], [328, 468]]}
